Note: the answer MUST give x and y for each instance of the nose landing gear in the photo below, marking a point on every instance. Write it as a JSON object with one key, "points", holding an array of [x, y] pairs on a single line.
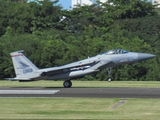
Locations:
{"points": [[109, 69]]}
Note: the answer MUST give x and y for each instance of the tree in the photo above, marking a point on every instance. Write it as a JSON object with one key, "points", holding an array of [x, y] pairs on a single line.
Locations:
{"points": [[122, 9], [51, 36]]}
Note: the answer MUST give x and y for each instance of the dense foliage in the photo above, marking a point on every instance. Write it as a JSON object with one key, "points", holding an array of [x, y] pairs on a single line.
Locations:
{"points": [[52, 36]]}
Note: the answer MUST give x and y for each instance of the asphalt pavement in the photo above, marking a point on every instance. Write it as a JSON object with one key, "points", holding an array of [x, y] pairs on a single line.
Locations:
{"points": [[42, 92]]}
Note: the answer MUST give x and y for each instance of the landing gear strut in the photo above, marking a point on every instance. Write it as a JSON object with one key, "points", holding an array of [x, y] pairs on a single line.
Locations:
{"points": [[67, 84], [109, 69]]}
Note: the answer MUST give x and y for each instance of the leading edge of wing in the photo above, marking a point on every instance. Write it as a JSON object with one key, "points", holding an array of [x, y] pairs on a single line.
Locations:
{"points": [[76, 66], [65, 68]]}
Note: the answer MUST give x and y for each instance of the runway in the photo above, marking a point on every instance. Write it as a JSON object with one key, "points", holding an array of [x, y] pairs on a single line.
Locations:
{"points": [[43, 92]]}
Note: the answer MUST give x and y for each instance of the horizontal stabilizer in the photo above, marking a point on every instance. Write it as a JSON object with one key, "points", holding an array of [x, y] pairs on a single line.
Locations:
{"points": [[17, 79]]}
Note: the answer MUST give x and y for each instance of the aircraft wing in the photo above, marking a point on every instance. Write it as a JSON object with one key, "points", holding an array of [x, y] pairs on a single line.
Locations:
{"points": [[76, 66], [67, 68]]}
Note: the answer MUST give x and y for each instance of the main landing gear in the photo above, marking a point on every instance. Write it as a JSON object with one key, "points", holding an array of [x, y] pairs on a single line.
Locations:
{"points": [[109, 69], [67, 84]]}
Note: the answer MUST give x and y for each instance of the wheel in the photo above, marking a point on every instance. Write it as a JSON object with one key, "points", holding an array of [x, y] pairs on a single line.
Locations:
{"points": [[109, 79], [67, 84]]}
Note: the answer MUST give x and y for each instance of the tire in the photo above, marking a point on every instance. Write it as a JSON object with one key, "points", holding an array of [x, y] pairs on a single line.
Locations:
{"points": [[109, 79], [67, 84]]}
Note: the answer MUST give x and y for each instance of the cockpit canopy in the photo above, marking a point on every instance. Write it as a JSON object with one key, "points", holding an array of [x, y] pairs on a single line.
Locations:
{"points": [[115, 51]]}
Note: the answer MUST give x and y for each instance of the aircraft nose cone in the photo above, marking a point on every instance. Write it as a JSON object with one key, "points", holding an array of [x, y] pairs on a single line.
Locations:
{"points": [[145, 56]]}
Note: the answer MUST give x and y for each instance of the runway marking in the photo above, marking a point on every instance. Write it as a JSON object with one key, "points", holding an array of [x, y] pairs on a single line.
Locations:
{"points": [[118, 104], [28, 91]]}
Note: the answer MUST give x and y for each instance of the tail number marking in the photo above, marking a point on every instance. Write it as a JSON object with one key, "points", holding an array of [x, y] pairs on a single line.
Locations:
{"points": [[30, 70]]}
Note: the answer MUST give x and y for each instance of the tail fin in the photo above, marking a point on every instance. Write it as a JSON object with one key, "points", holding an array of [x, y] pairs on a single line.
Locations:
{"points": [[23, 67]]}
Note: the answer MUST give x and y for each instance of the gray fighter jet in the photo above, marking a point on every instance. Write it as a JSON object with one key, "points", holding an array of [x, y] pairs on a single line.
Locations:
{"points": [[26, 71]]}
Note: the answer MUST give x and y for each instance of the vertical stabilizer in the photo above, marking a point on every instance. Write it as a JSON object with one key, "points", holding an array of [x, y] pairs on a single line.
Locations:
{"points": [[23, 67]]}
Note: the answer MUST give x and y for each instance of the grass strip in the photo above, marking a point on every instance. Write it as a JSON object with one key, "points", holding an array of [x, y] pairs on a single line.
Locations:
{"points": [[43, 83], [78, 108]]}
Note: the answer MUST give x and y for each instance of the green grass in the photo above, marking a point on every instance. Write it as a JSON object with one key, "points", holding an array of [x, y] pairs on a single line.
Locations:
{"points": [[79, 108], [134, 84]]}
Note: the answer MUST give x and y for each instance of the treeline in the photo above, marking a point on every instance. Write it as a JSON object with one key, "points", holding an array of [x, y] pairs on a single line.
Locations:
{"points": [[52, 36]]}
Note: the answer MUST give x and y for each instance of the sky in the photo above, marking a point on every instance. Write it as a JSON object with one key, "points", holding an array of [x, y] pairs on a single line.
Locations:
{"points": [[66, 4]]}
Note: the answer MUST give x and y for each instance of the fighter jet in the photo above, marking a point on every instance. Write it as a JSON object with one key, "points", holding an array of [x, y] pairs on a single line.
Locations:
{"points": [[26, 71]]}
